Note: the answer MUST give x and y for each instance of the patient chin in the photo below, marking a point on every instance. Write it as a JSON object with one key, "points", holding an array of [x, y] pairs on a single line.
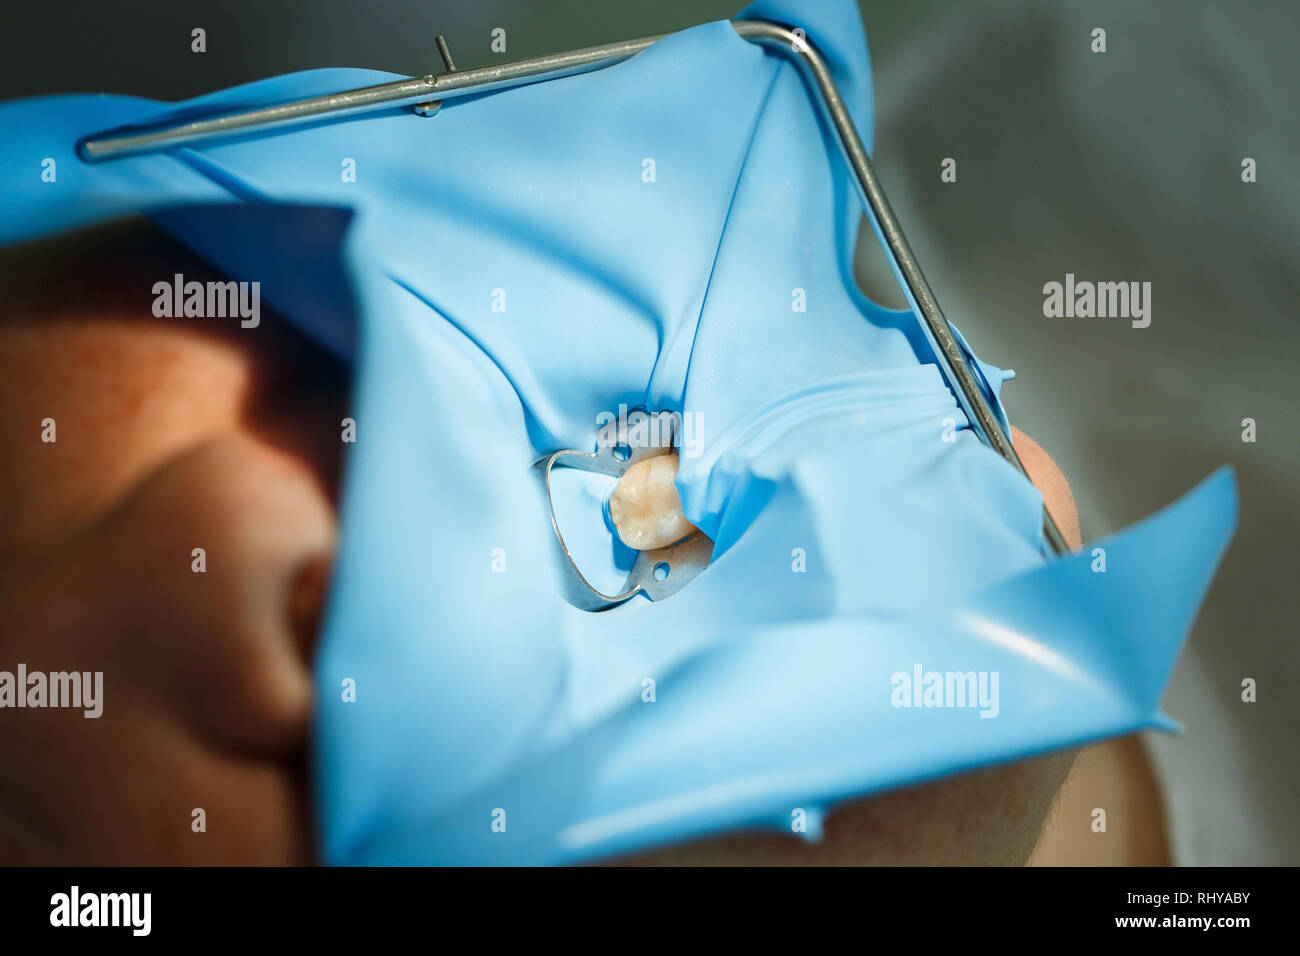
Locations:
{"points": [[991, 817]]}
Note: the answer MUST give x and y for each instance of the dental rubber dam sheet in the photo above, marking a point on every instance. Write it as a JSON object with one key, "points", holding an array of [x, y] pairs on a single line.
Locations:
{"points": [[673, 233]]}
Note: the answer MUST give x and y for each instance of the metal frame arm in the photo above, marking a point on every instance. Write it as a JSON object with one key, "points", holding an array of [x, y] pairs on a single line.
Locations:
{"points": [[426, 93]]}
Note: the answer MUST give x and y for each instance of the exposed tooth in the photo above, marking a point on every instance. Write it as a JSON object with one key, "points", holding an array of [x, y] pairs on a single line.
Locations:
{"points": [[645, 506]]}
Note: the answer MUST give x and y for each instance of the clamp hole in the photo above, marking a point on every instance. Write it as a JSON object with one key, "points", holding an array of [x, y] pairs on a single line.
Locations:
{"points": [[660, 570]]}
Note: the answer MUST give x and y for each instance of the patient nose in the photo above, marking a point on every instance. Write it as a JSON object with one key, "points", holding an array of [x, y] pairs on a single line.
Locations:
{"points": [[233, 542]]}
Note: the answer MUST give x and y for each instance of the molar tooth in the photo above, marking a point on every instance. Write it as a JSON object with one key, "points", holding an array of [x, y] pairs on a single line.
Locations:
{"points": [[645, 506]]}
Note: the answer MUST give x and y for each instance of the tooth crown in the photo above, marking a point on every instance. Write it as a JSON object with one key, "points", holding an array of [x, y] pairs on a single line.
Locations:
{"points": [[645, 506]]}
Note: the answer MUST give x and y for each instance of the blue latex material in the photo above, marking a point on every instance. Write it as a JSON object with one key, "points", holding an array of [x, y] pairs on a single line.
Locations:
{"points": [[826, 436]]}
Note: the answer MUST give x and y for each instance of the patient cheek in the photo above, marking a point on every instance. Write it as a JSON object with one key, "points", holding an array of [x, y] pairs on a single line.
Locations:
{"points": [[190, 492], [268, 535], [123, 398]]}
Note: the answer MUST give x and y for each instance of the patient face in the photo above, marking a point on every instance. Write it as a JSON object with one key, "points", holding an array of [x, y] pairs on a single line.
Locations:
{"points": [[180, 434], [171, 435]]}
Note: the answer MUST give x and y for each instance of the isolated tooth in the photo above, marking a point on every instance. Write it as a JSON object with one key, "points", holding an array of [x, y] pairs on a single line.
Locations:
{"points": [[645, 506]]}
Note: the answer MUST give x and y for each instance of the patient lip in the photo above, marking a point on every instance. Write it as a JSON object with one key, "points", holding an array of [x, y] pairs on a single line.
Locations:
{"points": [[645, 507]]}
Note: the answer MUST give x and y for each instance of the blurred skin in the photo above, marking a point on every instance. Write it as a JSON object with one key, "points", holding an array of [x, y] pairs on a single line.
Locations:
{"points": [[171, 436], [177, 435]]}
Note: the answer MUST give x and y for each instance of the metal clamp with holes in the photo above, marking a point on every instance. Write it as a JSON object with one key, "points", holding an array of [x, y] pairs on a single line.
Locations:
{"points": [[658, 573]]}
